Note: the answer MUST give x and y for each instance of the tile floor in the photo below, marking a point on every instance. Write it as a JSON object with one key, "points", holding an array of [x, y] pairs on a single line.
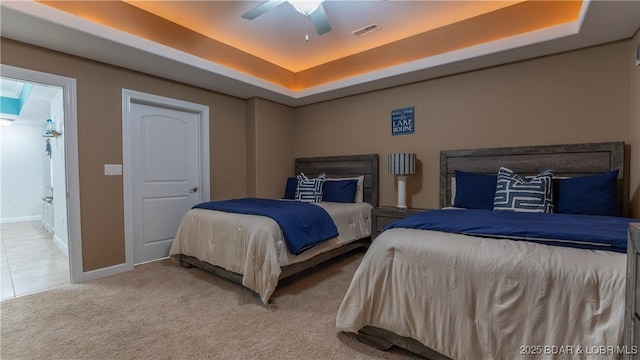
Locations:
{"points": [[29, 260]]}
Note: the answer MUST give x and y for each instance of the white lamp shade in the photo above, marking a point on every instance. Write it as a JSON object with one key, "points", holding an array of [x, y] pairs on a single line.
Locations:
{"points": [[402, 164]]}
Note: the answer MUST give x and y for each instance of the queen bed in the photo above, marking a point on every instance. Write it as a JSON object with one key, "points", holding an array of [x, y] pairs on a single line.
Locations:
{"points": [[250, 249], [476, 292]]}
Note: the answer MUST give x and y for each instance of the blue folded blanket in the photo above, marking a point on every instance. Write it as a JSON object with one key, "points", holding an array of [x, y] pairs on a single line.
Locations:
{"points": [[303, 225], [583, 231]]}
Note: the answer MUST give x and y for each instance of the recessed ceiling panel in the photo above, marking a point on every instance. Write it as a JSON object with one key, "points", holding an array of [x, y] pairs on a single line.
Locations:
{"points": [[278, 36]]}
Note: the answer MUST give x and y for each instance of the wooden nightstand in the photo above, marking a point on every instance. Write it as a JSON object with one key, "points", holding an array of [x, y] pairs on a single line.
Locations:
{"points": [[385, 215]]}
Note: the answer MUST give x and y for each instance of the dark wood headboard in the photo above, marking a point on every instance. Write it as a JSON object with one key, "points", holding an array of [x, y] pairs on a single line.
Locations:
{"points": [[345, 166], [564, 160]]}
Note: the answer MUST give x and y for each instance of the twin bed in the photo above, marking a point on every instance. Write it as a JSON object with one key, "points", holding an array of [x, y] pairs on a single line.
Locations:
{"points": [[444, 295], [250, 249]]}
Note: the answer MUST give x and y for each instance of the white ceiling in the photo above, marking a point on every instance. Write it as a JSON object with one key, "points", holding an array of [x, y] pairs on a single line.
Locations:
{"points": [[10, 89], [34, 23], [37, 107]]}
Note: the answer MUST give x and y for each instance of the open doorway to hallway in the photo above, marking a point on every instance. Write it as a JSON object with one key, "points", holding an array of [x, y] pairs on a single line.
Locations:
{"points": [[33, 211]]}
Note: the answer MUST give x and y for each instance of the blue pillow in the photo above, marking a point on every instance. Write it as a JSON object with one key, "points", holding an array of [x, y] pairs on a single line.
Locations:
{"points": [[513, 193], [290, 188], [588, 195], [341, 191], [474, 191]]}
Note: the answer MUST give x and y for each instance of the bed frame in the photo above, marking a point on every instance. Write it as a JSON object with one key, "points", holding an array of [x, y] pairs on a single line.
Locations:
{"points": [[333, 167], [565, 160]]}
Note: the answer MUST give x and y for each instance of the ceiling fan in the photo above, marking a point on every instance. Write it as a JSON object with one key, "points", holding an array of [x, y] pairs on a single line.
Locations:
{"points": [[312, 9]]}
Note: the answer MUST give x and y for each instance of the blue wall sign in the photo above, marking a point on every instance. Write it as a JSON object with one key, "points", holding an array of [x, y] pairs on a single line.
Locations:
{"points": [[402, 121]]}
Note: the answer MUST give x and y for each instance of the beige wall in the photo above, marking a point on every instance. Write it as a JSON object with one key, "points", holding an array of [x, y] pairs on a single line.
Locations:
{"points": [[270, 147], [575, 97], [99, 89], [634, 128]]}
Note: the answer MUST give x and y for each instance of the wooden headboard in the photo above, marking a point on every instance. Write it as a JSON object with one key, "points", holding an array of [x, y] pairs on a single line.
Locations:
{"points": [[564, 160], [345, 166]]}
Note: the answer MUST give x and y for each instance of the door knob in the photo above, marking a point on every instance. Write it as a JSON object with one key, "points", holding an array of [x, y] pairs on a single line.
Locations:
{"points": [[193, 189]]}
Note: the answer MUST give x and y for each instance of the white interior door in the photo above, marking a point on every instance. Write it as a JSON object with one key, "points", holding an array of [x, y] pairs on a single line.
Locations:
{"points": [[165, 175]]}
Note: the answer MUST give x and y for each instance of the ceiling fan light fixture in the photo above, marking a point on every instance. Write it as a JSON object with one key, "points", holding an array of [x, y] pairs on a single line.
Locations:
{"points": [[305, 7]]}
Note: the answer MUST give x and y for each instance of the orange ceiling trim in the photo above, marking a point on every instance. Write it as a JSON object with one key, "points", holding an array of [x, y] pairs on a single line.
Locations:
{"points": [[513, 20], [122, 16]]}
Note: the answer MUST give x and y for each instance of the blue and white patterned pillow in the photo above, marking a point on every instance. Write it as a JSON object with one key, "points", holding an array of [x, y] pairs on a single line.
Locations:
{"points": [[513, 193], [309, 190]]}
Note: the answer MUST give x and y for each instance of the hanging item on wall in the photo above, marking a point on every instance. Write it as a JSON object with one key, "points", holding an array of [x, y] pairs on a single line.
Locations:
{"points": [[402, 121], [51, 129], [47, 147]]}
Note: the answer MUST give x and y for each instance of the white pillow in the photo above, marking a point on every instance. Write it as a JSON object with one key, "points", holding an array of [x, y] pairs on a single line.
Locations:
{"points": [[453, 190], [359, 190]]}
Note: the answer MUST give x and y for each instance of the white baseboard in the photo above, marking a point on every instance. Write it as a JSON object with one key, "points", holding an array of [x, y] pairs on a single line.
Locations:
{"points": [[21, 219], [104, 272], [112, 270], [154, 260], [61, 244]]}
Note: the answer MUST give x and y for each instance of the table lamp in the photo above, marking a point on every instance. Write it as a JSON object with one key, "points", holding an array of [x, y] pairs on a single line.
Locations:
{"points": [[402, 164]]}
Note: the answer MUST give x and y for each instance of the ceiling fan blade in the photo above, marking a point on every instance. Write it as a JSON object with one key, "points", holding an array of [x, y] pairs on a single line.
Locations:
{"points": [[261, 9], [320, 21]]}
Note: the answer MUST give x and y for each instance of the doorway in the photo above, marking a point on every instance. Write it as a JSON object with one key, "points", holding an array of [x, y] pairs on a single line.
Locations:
{"points": [[33, 229], [165, 168], [60, 193]]}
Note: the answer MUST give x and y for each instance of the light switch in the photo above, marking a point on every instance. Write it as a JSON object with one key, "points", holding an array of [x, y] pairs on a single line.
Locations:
{"points": [[113, 169]]}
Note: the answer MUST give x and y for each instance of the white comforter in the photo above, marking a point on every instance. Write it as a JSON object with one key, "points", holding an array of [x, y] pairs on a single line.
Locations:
{"points": [[253, 245], [476, 298]]}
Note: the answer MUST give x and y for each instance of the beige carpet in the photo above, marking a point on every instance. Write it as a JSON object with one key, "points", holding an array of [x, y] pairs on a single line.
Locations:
{"points": [[163, 311]]}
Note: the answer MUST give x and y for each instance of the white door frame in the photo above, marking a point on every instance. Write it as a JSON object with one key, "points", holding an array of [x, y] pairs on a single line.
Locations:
{"points": [[68, 86], [129, 97]]}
